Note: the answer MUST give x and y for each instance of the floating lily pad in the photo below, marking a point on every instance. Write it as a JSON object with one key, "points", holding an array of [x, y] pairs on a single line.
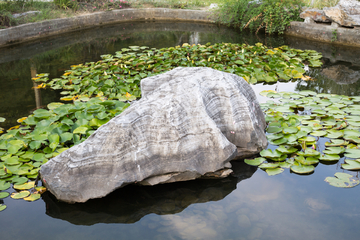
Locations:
{"points": [[4, 195], [286, 149], [302, 169], [329, 157], [255, 161], [4, 185], [274, 171], [336, 143], [2, 207], [25, 186], [351, 164], [352, 153], [268, 165], [33, 197], [343, 180], [318, 133], [19, 195], [309, 152], [334, 150]]}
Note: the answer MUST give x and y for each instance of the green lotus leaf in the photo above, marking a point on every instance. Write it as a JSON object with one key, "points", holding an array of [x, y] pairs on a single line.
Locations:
{"points": [[343, 180], [42, 113], [290, 130], [255, 161], [81, 130], [4, 195], [32, 197], [318, 133], [306, 161], [54, 105], [306, 129], [352, 153], [273, 95], [274, 136], [334, 150], [274, 171], [334, 133], [302, 169], [307, 93], [353, 139], [278, 141], [38, 157], [286, 149], [308, 140], [268, 153], [336, 143], [274, 129], [329, 157], [19, 180], [268, 165], [285, 164], [24, 186], [351, 164], [19, 195], [309, 152], [2, 207], [4, 185]]}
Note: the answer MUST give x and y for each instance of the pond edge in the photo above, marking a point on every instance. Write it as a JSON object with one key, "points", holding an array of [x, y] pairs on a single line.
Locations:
{"points": [[31, 31]]}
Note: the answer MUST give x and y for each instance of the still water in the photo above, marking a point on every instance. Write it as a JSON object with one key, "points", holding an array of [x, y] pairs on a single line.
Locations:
{"points": [[247, 205]]}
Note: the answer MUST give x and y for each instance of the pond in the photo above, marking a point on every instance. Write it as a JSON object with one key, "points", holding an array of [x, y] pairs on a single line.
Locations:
{"points": [[248, 205]]}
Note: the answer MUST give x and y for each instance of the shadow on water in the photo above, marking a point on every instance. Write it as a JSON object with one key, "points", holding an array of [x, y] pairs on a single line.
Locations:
{"points": [[131, 203]]}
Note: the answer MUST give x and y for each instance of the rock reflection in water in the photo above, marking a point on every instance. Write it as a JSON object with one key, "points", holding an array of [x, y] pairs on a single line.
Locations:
{"points": [[341, 74], [131, 203]]}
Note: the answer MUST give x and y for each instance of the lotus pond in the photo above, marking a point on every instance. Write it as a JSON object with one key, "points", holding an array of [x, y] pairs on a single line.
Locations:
{"points": [[303, 186]]}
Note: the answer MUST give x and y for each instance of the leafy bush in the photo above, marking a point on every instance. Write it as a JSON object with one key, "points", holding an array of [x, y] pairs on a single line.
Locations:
{"points": [[67, 4], [273, 15]]}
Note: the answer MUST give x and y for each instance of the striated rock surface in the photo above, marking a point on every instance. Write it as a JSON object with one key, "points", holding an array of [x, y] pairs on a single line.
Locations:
{"points": [[339, 16], [189, 123], [314, 14]]}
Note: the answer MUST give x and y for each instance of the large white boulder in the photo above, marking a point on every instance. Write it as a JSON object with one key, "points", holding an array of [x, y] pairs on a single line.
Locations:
{"points": [[189, 123]]}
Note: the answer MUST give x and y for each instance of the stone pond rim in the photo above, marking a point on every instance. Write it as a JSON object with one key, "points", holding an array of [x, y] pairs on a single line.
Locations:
{"points": [[32, 31]]}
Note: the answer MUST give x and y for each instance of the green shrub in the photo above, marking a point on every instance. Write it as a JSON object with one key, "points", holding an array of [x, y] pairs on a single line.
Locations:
{"points": [[67, 4], [272, 15]]}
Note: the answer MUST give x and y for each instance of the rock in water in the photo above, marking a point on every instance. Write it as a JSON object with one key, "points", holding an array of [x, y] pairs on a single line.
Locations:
{"points": [[189, 123]]}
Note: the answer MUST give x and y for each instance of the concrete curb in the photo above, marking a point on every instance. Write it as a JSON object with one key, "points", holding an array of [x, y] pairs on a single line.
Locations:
{"points": [[325, 33], [31, 31], [47, 28]]}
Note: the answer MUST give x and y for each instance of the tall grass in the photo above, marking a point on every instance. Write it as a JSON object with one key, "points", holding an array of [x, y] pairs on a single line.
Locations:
{"points": [[320, 4]]}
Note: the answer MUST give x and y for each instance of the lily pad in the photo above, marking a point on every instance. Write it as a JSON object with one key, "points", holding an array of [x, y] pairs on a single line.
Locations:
{"points": [[268, 165], [274, 171], [33, 197], [255, 161], [329, 157], [302, 169], [25, 186], [352, 153], [19, 195], [4, 195], [334, 150], [2, 207], [343, 180], [351, 164], [4, 185]]}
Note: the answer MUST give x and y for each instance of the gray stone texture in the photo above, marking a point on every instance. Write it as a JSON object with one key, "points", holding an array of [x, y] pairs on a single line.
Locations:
{"points": [[189, 123]]}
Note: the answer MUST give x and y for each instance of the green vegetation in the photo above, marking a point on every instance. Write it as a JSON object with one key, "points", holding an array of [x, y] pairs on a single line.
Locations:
{"points": [[272, 15], [320, 4], [95, 89], [298, 121]]}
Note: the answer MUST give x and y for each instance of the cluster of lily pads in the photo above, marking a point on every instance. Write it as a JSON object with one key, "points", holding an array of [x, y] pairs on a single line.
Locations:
{"points": [[118, 76], [297, 121], [101, 90]]}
